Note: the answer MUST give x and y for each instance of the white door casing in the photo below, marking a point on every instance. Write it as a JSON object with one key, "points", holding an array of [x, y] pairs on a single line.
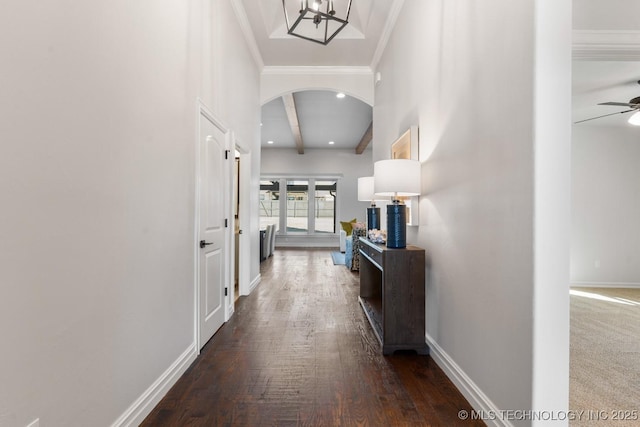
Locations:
{"points": [[212, 241], [244, 253]]}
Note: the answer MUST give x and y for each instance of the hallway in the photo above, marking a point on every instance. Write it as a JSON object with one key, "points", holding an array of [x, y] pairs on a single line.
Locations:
{"points": [[299, 351]]}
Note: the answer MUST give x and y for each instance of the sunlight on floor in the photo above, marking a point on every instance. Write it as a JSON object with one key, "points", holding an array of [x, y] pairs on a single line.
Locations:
{"points": [[593, 295]]}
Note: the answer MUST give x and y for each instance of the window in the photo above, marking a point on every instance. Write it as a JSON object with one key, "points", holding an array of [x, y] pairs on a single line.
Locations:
{"points": [[297, 206], [269, 203], [325, 206], [307, 207]]}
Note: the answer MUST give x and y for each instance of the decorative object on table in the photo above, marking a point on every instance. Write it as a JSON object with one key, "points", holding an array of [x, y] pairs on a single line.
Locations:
{"points": [[358, 225], [406, 147], [365, 194], [396, 177], [317, 20], [377, 236]]}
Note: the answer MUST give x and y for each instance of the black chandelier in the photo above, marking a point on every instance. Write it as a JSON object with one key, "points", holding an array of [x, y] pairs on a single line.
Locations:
{"points": [[317, 20]]}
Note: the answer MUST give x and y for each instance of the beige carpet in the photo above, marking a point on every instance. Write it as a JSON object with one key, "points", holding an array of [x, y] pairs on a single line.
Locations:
{"points": [[605, 356]]}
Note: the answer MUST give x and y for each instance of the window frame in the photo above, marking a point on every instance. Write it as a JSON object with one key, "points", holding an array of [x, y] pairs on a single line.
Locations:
{"points": [[311, 223]]}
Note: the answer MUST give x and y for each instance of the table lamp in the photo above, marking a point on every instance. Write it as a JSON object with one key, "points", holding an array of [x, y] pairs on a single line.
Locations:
{"points": [[365, 194], [395, 178]]}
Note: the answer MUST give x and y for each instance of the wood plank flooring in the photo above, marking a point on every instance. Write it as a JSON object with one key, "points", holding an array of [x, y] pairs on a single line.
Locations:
{"points": [[299, 352]]}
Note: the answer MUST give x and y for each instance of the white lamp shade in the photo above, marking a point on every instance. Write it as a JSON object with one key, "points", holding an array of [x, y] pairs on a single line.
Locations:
{"points": [[365, 189], [399, 177], [635, 119]]}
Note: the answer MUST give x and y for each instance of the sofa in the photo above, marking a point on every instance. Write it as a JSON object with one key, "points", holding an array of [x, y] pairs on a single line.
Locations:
{"points": [[346, 227], [343, 241]]}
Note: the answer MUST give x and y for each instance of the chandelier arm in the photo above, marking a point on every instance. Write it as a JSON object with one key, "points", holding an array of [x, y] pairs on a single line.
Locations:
{"points": [[326, 24], [286, 15], [348, 11]]}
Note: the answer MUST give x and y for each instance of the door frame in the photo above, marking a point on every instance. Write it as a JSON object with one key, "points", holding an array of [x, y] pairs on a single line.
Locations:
{"points": [[203, 111], [244, 254]]}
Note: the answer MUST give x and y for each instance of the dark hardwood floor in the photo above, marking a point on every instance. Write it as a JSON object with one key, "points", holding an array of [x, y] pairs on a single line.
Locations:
{"points": [[299, 351]]}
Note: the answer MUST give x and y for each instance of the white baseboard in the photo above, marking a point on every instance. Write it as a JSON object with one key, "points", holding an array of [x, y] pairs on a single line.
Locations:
{"points": [[230, 310], [631, 285], [254, 283], [144, 404], [479, 401]]}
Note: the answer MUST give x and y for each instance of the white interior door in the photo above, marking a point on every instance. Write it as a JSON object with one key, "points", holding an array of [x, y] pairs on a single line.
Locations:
{"points": [[212, 234]]}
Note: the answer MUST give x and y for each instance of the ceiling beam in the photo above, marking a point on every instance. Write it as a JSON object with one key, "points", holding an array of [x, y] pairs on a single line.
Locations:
{"points": [[292, 115], [366, 139]]}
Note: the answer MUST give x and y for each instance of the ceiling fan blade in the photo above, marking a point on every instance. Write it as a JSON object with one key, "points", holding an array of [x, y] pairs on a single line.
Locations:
{"points": [[605, 115], [619, 104]]}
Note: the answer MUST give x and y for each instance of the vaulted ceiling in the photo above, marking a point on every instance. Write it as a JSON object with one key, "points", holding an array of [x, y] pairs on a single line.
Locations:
{"points": [[607, 67], [313, 119], [324, 120]]}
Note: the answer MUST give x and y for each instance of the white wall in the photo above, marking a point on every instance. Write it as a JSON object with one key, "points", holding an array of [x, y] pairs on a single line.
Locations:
{"points": [[469, 75], [234, 95], [605, 239], [97, 157], [351, 166]]}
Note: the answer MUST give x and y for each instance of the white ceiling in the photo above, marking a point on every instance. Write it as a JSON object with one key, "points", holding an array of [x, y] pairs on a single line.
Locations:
{"points": [[609, 70], [595, 82], [607, 47], [323, 118], [355, 45]]}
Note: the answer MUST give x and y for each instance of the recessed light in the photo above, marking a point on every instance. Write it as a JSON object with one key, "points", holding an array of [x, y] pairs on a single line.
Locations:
{"points": [[331, 142], [269, 142], [340, 95]]}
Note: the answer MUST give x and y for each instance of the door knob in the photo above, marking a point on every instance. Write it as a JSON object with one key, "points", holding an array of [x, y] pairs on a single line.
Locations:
{"points": [[203, 243]]}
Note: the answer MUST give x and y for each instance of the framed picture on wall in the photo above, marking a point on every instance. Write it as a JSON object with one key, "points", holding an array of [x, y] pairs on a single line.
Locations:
{"points": [[406, 147]]}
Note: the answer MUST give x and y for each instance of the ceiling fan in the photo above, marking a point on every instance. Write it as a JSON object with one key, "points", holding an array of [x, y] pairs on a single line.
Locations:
{"points": [[633, 104]]}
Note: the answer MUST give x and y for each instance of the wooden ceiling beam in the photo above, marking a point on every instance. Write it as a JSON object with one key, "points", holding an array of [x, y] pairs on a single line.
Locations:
{"points": [[366, 139], [292, 115]]}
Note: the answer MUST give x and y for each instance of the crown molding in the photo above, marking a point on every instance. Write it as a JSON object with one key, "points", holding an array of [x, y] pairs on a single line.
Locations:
{"points": [[317, 70], [606, 45], [396, 7], [243, 21]]}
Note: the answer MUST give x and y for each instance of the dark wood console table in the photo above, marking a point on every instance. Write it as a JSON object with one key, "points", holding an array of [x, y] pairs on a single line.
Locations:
{"points": [[392, 295]]}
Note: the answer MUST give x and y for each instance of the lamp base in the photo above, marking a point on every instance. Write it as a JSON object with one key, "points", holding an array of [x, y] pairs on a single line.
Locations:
{"points": [[373, 218], [396, 226]]}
